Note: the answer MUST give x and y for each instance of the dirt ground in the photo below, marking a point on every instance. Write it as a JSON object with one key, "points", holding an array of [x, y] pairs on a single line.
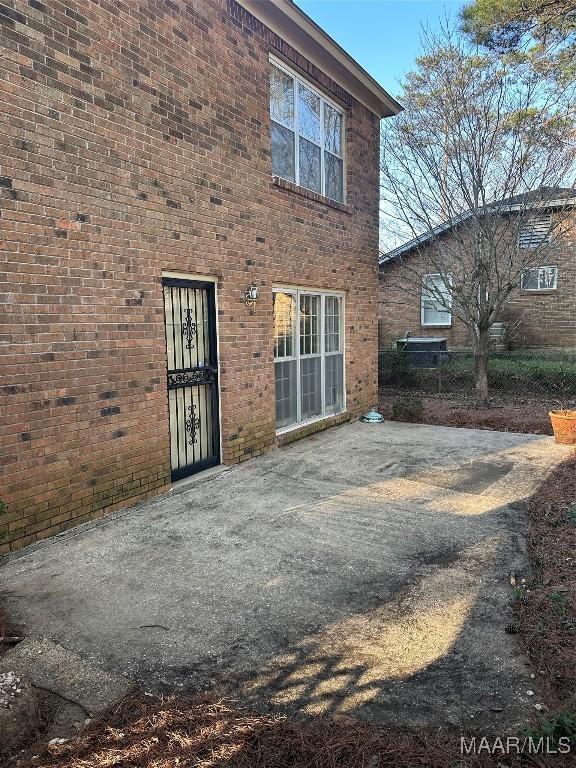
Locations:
{"points": [[547, 605], [456, 412], [5, 628]]}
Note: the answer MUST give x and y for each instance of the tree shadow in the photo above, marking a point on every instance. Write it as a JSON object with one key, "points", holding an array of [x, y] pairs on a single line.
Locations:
{"points": [[436, 652]]}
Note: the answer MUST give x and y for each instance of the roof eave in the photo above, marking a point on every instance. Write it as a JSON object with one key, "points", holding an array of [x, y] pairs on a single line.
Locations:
{"points": [[295, 27], [561, 202]]}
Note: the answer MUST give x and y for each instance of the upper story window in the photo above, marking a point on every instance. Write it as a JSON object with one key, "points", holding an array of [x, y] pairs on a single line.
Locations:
{"points": [[307, 135], [539, 279], [535, 231]]}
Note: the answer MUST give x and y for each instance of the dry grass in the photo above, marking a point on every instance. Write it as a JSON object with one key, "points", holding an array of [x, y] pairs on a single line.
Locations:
{"points": [[548, 610]]}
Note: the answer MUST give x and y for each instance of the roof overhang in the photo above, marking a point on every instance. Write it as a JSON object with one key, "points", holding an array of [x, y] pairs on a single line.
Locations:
{"points": [[290, 23], [494, 208]]}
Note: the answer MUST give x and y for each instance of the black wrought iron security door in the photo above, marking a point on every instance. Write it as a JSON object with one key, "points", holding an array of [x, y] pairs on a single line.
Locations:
{"points": [[192, 373]]}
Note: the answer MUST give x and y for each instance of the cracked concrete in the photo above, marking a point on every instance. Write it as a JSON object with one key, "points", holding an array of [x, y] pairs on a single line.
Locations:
{"points": [[364, 570], [54, 669]]}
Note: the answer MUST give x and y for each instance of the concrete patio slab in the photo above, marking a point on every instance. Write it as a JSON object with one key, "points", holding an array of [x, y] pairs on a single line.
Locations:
{"points": [[365, 570], [59, 671]]}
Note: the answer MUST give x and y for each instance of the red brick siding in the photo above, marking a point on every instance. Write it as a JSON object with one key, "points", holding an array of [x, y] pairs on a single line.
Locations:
{"points": [[399, 307], [548, 318], [538, 319], [135, 139]]}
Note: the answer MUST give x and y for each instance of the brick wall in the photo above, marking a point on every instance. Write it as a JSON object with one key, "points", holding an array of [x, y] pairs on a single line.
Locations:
{"points": [[537, 318], [548, 318], [135, 139], [399, 305]]}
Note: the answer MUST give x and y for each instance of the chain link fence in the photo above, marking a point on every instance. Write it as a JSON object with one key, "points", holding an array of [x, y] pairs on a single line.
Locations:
{"points": [[514, 377]]}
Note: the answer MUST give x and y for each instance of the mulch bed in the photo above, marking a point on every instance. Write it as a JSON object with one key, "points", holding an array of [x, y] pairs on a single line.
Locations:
{"points": [[178, 733], [453, 412], [547, 610]]}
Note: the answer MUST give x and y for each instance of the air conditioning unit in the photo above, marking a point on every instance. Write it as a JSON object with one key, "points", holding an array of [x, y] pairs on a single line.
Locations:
{"points": [[424, 351]]}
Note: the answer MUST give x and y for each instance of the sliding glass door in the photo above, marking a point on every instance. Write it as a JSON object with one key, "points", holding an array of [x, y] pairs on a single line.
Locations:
{"points": [[308, 355]]}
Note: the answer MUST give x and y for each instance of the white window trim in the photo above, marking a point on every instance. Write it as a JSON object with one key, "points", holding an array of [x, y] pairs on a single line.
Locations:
{"points": [[423, 322], [538, 289], [297, 78], [297, 292]]}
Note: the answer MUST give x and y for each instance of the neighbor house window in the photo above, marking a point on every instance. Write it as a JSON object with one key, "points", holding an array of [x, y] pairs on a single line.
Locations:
{"points": [[308, 355], [307, 135], [436, 301], [539, 279], [535, 231]]}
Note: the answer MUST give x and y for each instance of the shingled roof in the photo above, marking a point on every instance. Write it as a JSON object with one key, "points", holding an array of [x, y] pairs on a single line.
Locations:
{"points": [[547, 198]]}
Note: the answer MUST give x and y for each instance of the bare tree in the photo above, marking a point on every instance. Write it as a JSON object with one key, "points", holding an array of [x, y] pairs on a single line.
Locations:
{"points": [[483, 150]]}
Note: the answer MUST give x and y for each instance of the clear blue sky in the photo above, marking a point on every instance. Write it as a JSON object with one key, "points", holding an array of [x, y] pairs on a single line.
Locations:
{"points": [[382, 35]]}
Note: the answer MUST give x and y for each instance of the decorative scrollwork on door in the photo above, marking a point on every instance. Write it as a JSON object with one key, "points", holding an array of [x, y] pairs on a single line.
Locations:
{"points": [[191, 375], [185, 378], [192, 424], [189, 329]]}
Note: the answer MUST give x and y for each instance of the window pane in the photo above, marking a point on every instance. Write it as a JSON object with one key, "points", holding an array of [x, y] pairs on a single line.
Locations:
{"points": [[286, 393], [281, 97], [310, 382], [309, 162], [282, 152], [433, 315], [334, 386], [540, 279], [284, 324], [332, 130], [530, 279], [332, 324], [547, 277], [309, 324], [333, 177], [313, 385], [436, 291], [308, 113], [436, 299]]}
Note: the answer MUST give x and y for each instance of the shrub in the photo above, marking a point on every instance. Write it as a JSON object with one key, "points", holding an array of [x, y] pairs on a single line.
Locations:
{"points": [[561, 725], [394, 368], [407, 409], [547, 376]]}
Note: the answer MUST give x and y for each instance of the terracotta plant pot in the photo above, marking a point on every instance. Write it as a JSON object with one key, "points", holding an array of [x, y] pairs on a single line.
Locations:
{"points": [[564, 426]]}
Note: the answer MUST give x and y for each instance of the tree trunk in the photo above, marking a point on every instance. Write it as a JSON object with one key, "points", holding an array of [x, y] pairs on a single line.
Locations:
{"points": [[481, 368]]}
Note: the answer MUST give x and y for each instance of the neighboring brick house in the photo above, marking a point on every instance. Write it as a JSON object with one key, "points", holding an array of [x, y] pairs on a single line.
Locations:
{"points": [[145, 243], [542, 313]]}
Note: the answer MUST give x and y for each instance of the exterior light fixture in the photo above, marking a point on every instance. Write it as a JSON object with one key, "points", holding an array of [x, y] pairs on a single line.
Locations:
{"points": [[251, 296]]}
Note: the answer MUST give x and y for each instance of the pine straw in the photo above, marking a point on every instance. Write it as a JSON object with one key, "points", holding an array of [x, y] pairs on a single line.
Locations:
{"points": [[205, 733], [548, 610], [454, 412]]}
